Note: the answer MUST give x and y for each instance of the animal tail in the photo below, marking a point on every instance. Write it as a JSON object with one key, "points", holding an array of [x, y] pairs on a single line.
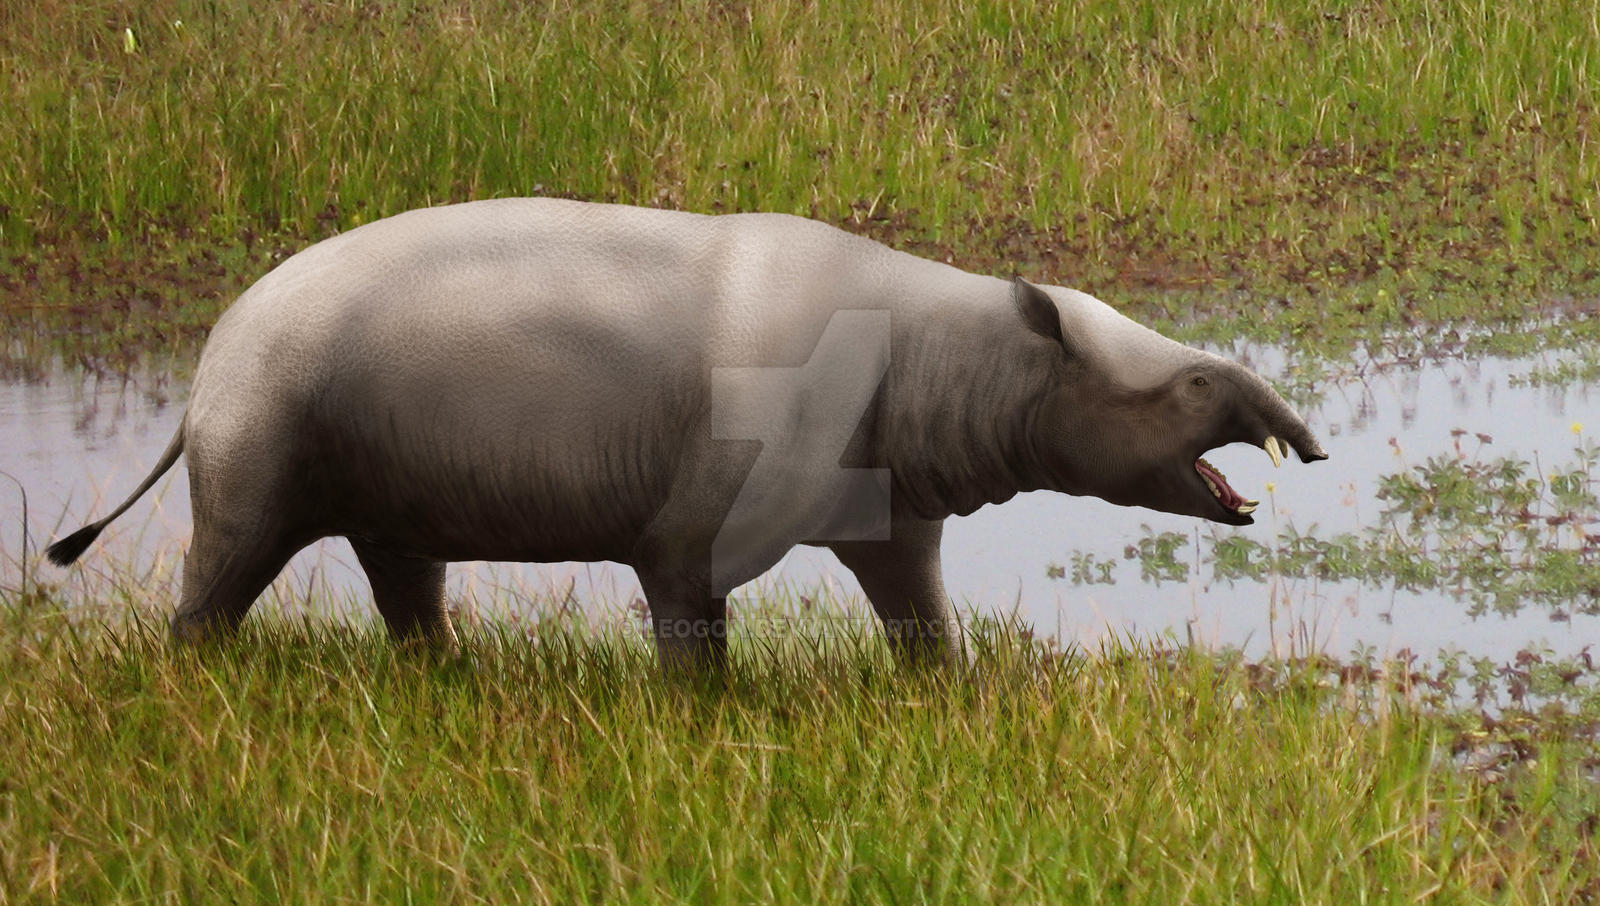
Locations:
{"points": [[71, 547]]}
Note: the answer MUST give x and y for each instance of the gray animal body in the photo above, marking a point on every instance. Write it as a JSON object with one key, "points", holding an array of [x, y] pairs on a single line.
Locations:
{"points": [[547, 380]]}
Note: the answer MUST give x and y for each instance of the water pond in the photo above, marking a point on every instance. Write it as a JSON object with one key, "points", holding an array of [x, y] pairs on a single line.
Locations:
{"points": [[1077, 569]]}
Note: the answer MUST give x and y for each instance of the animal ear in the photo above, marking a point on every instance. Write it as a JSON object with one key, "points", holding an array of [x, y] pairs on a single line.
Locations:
{"points": [[1038, 310]]}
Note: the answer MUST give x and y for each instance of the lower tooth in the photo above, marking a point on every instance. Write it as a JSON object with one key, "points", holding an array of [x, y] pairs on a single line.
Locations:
{"points": [[1245, 509]]}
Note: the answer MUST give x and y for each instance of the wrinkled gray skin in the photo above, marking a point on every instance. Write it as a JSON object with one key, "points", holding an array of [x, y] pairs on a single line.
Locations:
{"points": [[532, 380]]}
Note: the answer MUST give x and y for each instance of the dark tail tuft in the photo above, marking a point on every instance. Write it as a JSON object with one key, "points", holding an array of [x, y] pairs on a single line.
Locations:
{"points": [[72, 547]]}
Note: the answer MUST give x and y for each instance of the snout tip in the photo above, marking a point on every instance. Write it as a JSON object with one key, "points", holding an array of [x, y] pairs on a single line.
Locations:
{"points": [[1315, 453]]}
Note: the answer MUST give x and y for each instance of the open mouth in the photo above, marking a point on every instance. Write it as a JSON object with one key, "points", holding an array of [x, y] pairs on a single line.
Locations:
{"points": [[1224, 492], [1232, 500]]}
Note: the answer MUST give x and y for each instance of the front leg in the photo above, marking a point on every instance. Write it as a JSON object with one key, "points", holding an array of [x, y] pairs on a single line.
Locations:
{"points": [[689, 621], [905, 584]]}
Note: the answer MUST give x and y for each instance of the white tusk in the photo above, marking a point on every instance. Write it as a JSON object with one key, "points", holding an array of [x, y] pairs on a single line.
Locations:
{"points": [[1271, 444], [1245, 509]]}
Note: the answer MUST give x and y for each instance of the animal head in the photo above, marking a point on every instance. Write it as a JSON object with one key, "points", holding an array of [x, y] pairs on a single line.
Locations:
{"points": [[1129, 415]]}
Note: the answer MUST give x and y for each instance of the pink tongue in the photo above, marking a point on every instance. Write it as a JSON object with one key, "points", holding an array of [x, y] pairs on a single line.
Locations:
{"points": [[1230, 498]]}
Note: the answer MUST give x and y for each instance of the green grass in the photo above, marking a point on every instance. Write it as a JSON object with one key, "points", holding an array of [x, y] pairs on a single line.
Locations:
{"points": [[1085, 117], [311, 763], [1438, 151]]}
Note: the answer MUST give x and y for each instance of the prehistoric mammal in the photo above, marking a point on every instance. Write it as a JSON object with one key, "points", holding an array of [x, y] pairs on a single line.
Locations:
{"points": [[547, 380]]}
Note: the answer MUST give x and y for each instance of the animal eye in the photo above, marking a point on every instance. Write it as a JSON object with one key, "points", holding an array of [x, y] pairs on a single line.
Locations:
{"points": [[1199, 382]]}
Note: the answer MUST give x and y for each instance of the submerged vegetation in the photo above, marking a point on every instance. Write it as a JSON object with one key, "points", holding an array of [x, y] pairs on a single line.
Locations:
{"points": [[1482, 534], [1350, 167], [555, 766], [1498, 534]]}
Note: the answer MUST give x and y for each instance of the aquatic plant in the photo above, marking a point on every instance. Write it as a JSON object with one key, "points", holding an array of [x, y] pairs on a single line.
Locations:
{"points": [[1495, 533]]}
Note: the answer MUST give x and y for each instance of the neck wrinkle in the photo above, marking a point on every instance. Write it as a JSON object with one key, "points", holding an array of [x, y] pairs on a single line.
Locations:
{"points": [[957, 424]]}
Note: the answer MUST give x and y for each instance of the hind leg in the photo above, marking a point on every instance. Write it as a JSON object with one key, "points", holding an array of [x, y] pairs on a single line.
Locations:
{"points": [[224, 572], [409, 593]]}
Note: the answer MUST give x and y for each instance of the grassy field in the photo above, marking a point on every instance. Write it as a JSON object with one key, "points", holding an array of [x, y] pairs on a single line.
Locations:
{"points": [[315, 764], [1379, 164]]}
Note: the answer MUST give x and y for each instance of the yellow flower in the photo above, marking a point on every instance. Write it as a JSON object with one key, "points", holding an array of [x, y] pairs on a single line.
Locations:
{"points": [[1272, 487], [1577, 427]]}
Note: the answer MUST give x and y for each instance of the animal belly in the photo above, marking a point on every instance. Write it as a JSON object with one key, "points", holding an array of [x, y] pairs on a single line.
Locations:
{"points": [[451, 489], [480, 517]]}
